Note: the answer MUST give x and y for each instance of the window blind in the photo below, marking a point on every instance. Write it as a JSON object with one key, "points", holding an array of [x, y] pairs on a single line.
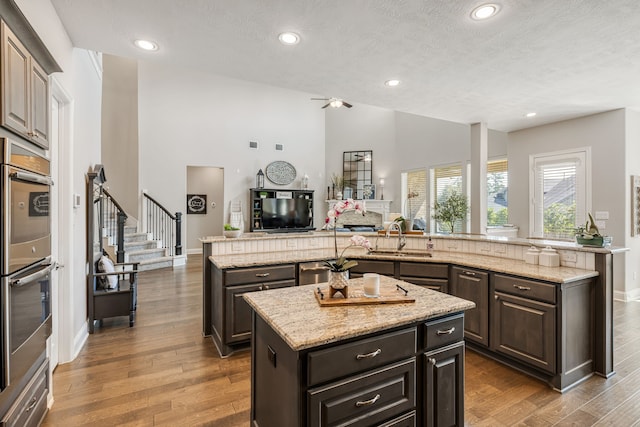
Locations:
{"points": [[497, 186]]}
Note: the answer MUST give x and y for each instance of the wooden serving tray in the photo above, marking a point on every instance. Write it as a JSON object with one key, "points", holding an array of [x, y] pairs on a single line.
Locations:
{"points": [[388, 295]]}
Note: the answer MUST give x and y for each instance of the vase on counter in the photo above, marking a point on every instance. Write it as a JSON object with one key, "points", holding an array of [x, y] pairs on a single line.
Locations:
{"points": [[339, 195], [338, 281]]}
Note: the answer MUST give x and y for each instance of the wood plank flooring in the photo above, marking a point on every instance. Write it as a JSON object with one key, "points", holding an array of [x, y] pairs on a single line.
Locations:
{"points": [[162, 372]]}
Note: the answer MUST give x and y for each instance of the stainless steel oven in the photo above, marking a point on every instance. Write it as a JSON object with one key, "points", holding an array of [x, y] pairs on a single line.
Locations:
{"points": [[26, 225], [25, 265], [27, 319]]}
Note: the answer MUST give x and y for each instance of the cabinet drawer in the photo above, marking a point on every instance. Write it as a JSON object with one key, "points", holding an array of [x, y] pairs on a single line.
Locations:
{"points": [[366, 399], [525, 288], [422, 269], [245, 276], [385, 268], [348, 359], [31, 406], [441, 285], [445, 331], [407, 420]]}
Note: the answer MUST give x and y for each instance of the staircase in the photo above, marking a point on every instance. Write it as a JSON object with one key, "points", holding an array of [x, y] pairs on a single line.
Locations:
{"points": [[157, 247]]}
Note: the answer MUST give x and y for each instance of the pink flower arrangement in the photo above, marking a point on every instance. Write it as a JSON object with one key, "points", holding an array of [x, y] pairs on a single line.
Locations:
{"points": [[341, 263]]}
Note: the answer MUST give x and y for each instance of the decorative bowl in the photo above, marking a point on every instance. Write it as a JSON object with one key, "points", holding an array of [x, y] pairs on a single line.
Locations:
{"points": [[232, 234]]}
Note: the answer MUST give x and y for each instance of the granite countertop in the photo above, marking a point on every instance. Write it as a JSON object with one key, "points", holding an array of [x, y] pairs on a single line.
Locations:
{"points": [[496, 264], [294, 313]]}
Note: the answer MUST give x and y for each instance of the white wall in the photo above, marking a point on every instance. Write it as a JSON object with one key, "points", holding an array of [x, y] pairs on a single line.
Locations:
{"points": [[120, 130], [632, 282], [82, 82], [197, 119], [605, 134]]}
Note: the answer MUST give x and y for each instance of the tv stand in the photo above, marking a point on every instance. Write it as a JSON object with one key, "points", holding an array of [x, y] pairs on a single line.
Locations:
{"points": [[256, 195]]}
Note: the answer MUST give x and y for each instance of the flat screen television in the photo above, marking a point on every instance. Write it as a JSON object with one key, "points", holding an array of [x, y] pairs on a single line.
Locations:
{"points": [[285, 213]]}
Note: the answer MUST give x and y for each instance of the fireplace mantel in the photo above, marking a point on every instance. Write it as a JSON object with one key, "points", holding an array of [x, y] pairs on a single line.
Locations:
{"points": [[381, 207]]}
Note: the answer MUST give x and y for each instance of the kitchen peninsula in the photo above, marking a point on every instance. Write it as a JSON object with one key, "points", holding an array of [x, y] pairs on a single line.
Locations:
{"points": [[387, 363], [555, 323]]}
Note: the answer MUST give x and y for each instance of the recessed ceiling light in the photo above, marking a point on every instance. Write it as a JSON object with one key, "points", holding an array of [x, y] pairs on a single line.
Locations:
{"points": [[530, 114], [289, 38], [392, 83], [146, 44], [485, 11]]}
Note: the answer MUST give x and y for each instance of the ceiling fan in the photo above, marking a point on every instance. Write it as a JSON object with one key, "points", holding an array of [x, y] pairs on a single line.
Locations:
{"points": [[333, 102]]}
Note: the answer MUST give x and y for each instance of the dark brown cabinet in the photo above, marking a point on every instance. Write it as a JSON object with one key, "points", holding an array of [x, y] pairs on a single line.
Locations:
{"points": [[25, 91], [473, 285], [230, 315], [432, 276], [391, 378], [525, 329], [386, 268]]}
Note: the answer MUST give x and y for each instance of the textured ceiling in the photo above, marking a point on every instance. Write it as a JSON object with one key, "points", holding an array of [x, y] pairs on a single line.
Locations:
{"points": [[559, 58]]}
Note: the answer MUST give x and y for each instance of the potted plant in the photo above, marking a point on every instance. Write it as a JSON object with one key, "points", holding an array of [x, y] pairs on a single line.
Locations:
{"points": [[451, 209], [230, 231], [589, 234]]}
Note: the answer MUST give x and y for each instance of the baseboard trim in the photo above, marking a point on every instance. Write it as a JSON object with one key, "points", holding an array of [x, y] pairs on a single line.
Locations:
{"points": [[633, 295]]}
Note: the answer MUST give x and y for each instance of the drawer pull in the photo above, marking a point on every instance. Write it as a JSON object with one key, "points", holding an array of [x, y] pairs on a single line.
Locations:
{"points": [[262, 274], [433, 361], [447, 332], [368, 402], [32, 405], [469, 273], [369, 355], [266, 287], [522, 288]]}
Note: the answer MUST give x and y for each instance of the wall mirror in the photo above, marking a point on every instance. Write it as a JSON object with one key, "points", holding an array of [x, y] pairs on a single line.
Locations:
{"points": [[357, 172]]}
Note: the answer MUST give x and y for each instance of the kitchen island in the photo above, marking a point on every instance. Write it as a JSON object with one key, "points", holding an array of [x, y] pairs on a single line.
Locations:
{"points": [[555, 323], [388, 364]]}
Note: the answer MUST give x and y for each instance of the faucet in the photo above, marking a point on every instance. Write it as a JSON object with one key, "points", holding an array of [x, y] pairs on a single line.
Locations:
{"points": [[401, 238]]}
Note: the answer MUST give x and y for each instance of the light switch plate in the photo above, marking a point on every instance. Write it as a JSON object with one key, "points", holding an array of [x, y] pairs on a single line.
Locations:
{"points": [[602, 215]]}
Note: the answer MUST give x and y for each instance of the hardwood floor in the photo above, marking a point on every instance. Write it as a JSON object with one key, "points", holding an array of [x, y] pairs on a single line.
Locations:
{"points": [[162, 372]]}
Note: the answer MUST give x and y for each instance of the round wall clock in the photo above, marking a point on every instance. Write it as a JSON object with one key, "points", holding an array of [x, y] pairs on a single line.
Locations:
{"points": [[280, 172]]}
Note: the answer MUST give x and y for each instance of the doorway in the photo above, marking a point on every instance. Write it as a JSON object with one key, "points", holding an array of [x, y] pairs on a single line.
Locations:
{"points": [[205, 209]]}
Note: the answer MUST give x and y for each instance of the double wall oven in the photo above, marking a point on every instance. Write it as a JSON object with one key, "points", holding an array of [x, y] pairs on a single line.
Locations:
{"points": [[25, 267]]}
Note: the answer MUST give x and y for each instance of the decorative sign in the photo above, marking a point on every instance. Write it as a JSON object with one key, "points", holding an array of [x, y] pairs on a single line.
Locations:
{"points": [[39, 203], [284, 194], [197, 204]]}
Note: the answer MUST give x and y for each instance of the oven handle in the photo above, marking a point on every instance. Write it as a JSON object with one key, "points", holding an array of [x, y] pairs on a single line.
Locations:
{"points": [[31, 177], [16, 283]]}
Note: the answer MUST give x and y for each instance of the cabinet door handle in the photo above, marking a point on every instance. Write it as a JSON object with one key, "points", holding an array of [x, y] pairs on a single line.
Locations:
{"points": [[469, 273], [260, 287], [266, 287], [496, 297], [262, 274], [522, 288], [369, 355], [32, 405], [432, 361], [446, 332], [368, 402]]}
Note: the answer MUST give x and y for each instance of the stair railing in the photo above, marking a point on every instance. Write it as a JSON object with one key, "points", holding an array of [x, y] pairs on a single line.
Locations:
{"points": [[162, 224], [114, 229]]}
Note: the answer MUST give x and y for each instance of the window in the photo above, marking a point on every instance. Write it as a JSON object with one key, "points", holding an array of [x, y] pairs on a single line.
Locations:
{"points": [[446, 180], [497, 185], [560, 189], [415, 198]]}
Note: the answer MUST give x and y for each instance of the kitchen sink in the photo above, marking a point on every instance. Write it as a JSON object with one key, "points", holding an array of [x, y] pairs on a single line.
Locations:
{"points": [[400, 253]]}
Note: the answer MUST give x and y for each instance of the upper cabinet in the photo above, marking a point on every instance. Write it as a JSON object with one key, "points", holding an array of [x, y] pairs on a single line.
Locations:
{"points": [[24, 91]]}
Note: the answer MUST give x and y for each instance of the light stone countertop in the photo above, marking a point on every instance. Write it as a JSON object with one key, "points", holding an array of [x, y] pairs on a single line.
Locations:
{"points": [[500, 265], [294, 313]]}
